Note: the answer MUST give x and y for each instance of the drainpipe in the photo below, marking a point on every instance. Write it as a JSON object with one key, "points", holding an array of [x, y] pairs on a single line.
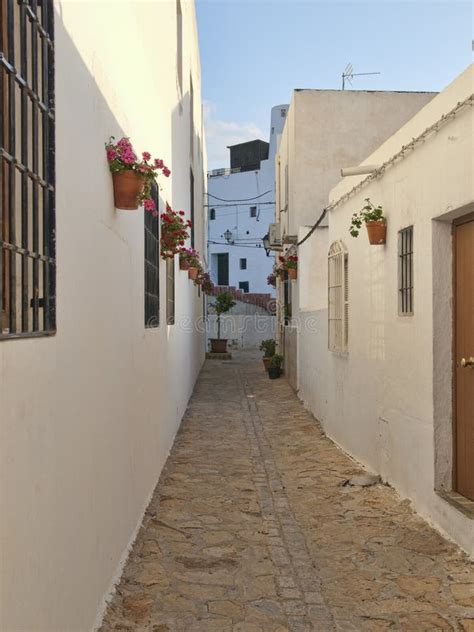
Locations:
{"points": [[358, 171]]}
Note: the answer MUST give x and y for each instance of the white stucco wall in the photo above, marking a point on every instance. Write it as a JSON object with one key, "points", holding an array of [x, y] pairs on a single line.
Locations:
{"points": [[382, 405], [88, 415]]}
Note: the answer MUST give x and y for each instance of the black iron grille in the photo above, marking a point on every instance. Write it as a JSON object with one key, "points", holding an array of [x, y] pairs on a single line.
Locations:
{"points": [[152, 267], [27, 169]]}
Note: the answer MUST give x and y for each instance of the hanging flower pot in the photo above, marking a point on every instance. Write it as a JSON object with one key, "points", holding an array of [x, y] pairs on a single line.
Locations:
{"points": [[292, 274], [377, 232], [183, 264], [128, 186], [193, 273], [133, 178], [281, 274]]}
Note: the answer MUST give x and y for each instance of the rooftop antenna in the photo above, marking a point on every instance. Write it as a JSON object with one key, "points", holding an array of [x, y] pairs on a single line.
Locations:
{"points": [[349, 74]]}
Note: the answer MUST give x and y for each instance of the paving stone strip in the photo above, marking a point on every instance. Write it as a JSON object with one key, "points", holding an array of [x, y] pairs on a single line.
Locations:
{"points": [[249, 530]]}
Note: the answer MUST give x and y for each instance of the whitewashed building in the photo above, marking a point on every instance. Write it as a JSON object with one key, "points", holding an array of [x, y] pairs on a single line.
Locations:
{"points": [[388, 365], [325, 130], [241, 201], [90, 395]]}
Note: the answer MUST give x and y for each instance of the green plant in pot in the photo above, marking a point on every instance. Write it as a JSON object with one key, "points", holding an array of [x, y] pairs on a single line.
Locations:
{"points": [[268, 347], [224, 303], [373, 218], [274, 370]]}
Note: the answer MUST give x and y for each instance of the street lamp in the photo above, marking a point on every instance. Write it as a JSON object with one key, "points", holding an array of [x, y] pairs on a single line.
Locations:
{"points": [[266, 244], [228, 236]]}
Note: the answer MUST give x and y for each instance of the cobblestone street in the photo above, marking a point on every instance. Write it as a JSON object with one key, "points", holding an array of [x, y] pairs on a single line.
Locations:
{"points": [[249, 529]]}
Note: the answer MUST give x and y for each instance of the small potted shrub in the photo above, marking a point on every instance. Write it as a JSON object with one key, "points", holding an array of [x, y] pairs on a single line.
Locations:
{"points": [[133, 178], [274, 370], [224, 302], [204, 280], [373, 218], [174, 232], [268, 347]]}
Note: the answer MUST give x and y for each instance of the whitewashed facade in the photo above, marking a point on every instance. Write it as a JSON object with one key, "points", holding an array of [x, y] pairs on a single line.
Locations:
{"points": [[88, 415], [386, 395], [246, 217]]}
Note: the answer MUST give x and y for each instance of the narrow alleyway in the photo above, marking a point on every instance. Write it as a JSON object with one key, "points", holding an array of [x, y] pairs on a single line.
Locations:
{"points": [[250, 531]]}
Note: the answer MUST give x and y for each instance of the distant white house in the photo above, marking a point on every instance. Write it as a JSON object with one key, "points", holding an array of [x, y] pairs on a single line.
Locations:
{"points": [[241, 203]]}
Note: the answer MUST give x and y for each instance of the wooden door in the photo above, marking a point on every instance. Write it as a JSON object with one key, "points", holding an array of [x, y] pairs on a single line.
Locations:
{"points": [[464, 356]]}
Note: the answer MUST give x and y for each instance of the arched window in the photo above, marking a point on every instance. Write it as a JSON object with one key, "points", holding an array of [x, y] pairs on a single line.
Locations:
{"points": [[338, 297]]}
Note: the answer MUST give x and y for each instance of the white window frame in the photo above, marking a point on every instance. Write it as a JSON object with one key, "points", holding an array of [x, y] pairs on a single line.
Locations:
{"points": [[338, 298]]}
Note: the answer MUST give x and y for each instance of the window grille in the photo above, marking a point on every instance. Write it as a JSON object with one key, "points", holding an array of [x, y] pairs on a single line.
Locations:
{"points": [[152, 268], [338, 297], [243, 264], [405, 271], [244, 286], [212, 213], [170, 303], [253, 211], [27, 169], [191, 204]]}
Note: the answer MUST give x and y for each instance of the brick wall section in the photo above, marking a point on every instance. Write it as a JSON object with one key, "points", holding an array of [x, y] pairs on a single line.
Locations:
{"points": [[265, 301]]}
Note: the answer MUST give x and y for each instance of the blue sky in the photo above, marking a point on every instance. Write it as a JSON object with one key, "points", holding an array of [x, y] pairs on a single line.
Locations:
{"points": [[255, 52]]}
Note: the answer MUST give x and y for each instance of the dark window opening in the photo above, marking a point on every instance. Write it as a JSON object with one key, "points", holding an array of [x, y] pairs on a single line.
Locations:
{"points": [[405, 271], [27, 169], [152, 267], [243, 264], [287, 299], [244, 286], [212, 213], [191, 204], [253, 211], [170, 290]]}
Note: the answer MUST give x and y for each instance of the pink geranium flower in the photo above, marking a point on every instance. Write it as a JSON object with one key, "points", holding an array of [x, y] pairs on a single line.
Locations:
{"points": [[149, 205], [146, 155]]}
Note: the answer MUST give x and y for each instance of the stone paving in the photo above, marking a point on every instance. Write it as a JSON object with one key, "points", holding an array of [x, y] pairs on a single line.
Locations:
{"points": [[249, 529]]}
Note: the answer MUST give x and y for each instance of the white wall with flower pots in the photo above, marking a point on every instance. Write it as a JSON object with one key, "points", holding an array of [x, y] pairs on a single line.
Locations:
{"points": [[388, 400], [88, 415]]}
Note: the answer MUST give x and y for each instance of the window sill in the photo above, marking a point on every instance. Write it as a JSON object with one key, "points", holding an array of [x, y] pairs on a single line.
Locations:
{"points": [[462, 504]]}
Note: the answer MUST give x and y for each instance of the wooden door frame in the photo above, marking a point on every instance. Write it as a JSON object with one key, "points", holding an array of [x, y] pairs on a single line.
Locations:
{"points": [[465, 219]]}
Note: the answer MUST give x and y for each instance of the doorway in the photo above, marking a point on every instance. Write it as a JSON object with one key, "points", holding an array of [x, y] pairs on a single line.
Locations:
{"points": [[223, 269], [463, 236]]}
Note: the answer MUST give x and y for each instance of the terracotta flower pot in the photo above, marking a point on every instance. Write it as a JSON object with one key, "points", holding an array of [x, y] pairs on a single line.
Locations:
{"points": [[218, 345], [127, 187], [292, 274], [281, 274], [193, 273], [266, 362], [377, 232], [183, 264]]}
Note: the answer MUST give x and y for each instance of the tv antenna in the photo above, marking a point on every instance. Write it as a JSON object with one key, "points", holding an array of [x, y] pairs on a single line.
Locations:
{"points": [[349, 74]]}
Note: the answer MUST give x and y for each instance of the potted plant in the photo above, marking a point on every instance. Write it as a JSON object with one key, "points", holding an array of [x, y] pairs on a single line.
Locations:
{"points": [[271, 279], [373, 218], [174, 232], [274, 370], [133, 178], [224, 302], [204, 280], [291, 265], [189, 260], [268, 347]]}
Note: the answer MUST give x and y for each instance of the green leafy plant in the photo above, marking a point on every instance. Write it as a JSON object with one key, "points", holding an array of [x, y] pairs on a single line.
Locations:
{"points": [[268, 347], [224, 302], [368, 213], [277, 361]]}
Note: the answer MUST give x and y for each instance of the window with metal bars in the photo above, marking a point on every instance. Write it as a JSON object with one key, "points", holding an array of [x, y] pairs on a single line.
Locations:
{"points": [[27, 169], [191, 205], [405, 272], [170, 290], [338, 298], [152, 268]]}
